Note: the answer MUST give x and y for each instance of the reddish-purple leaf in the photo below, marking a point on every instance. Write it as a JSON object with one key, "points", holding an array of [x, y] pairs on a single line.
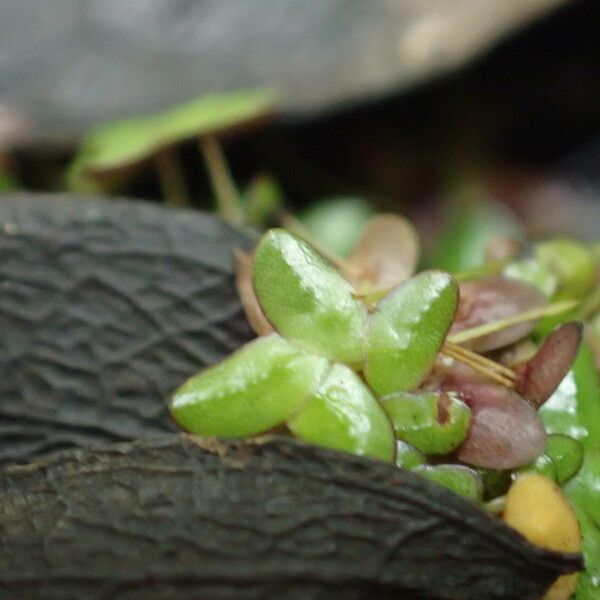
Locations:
{"points": [[387, 253], [542, 374], [505, 430], [491, 299]]}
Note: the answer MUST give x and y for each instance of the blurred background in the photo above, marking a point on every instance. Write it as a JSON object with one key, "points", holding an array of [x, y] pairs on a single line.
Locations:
{"points": [[406, 105]]}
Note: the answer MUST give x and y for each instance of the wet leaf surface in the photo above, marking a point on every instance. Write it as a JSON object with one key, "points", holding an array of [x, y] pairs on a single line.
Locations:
{"points": [[306, 299], [407, 330]]}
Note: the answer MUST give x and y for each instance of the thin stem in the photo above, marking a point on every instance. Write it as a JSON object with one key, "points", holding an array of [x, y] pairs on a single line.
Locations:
{"points": [[481, 364], [490, 374], [171, 178], [529, 315], [474, 357], [292, 224], [226, 193]]}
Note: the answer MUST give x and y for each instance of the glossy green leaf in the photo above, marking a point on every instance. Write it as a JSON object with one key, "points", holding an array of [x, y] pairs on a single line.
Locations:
{"points": [[343, 414], [561, 460], [566, 454], [306, 299], [458, 478], [543, 465], [418, 420], [574, 410], [257, 388], [337, 222], [407, 330], [408, 457], [125, 143], [471, 222]]}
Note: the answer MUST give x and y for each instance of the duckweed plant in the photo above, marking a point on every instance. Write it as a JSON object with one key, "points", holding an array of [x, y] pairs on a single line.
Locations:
{"points": [[391, 373]]}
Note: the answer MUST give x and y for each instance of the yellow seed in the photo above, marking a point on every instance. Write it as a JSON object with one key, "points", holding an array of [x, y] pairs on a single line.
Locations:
{"points": [[563, 588], [537, 509]]}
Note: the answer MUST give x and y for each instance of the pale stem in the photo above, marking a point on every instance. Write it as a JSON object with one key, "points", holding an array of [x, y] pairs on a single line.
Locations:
{"points": [[528, 315], [226, 193], [487, 367], [171, 178]]}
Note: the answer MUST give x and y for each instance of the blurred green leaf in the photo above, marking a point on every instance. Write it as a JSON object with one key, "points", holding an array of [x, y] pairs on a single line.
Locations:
{"points": [[7, 182], [338, 222], [573, 264], [562, 269], [574, 410], [262, 198], [125, 143], [471, 221], [528, 270]]}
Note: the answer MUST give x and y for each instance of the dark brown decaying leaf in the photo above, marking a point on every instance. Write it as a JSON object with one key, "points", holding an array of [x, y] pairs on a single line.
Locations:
{"points": [[105, 309], [542, 374], [505, 431], [387, 253], [491, 299], [178, 517], [245, 288]]}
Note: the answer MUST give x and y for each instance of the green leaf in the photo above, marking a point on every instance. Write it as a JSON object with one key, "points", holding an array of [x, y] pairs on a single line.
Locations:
{"points": [[572, 263], [306, 299], [407, 331], [416, 419], [255, 389], [471, 221], [574, 410], [262, 198], [116, 146], [337, 222], [567, 455], [343, 414], [408, 457], [528, 270], [462, 480]]}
